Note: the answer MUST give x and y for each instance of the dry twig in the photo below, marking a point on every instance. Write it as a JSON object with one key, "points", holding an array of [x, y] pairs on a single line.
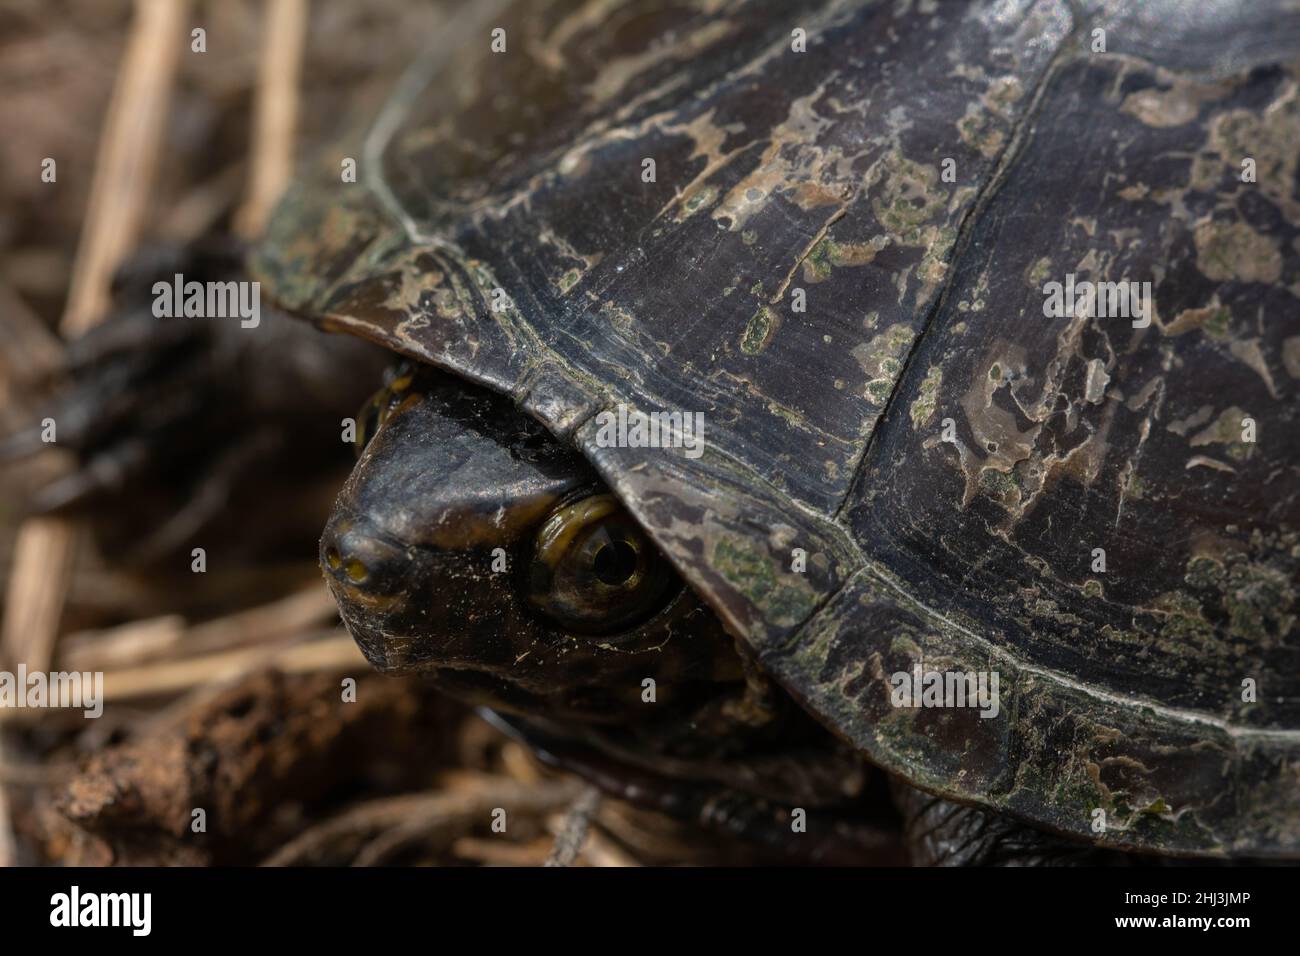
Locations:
{"points": [[328, 652], [128, 156], [497, 853], [276, 113], [574, 828], [167, 638], [400, 821], [600, 850], [7, 850]]}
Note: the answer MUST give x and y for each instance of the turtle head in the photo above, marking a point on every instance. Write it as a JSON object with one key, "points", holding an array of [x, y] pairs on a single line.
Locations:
{"points": [[472, 546]]}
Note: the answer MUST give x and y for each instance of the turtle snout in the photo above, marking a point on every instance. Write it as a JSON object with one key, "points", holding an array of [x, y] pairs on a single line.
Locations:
{"points": [[354, 555]]}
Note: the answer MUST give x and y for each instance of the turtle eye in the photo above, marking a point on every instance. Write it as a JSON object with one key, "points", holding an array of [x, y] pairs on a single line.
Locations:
{"points": [[368, 420], [595, 571], [376, 409]]}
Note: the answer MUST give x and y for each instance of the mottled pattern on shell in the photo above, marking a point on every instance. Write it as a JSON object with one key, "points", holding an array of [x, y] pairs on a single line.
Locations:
{"points": [[822, 171]]}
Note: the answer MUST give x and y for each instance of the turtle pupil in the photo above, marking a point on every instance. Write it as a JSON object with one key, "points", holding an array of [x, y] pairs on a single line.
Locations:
{"points": [[615, 563]]}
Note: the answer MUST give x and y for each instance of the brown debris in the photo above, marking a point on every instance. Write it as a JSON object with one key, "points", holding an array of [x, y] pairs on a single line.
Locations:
{"points": [[246, 758]]}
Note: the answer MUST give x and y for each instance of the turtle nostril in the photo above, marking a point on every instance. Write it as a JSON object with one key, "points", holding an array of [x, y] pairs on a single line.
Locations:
{"points": [[354, 555], [346, 565]]}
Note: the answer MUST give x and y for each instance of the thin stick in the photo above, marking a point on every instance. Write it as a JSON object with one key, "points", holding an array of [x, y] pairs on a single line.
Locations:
{"points": [[276, 112], [404, 819], [8, 854], [130, 644], [496, 853], [168, 638], [37, 588], [330, 653], [600, 850], [128, 155], [574, 829], [519, 763]]}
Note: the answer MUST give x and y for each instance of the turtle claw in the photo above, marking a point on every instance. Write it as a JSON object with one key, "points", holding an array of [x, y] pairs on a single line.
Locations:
{"points": [[139, 384], [129, 337], [174, 423], [129, 396]]}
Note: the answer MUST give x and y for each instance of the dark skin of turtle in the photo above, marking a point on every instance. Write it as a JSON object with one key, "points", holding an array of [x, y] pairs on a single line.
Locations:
{"points": [[509, 237]]}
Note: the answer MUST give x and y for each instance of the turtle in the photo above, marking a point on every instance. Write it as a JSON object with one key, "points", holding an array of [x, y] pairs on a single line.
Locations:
{"points": [[791, 397]]}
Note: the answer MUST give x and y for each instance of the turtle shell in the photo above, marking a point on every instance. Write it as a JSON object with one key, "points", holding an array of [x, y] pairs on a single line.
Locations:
{"points": [[830, 227]]}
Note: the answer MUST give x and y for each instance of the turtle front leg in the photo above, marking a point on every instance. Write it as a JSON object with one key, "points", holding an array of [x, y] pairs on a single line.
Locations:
{"points": [[170, 419]]}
